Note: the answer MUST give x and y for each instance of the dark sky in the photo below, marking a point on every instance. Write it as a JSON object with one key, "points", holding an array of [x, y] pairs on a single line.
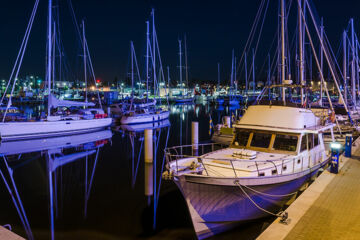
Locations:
{"points": [[213, 28]]}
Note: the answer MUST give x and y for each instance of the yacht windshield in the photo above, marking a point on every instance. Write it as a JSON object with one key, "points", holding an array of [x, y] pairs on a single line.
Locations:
{"points": [[285, 142], [241, 137], [261, 140]]}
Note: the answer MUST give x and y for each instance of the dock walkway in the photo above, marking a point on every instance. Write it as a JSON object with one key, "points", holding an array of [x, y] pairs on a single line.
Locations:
{"points": [[328, 209], [8, 235]]}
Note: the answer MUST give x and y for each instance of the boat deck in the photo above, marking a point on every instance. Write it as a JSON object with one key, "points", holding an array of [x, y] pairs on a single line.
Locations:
{"points": [[328, 209]]}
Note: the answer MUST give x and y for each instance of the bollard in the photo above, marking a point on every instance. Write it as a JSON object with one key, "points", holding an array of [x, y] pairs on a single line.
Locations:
{"points": [[148, 157], [335, 154], [109, 112], [227, 121], [348, 143], [195, 137]]}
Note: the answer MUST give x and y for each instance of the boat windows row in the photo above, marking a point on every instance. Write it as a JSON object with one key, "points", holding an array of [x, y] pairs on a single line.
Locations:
{"points": [[272, 141]]}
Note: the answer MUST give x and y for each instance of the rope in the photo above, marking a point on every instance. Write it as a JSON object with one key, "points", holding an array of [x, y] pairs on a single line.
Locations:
{"points": [[270, 195], [282, 214]]}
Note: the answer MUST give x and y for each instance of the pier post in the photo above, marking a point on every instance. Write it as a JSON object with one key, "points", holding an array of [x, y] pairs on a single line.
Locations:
{"points": [[148, 158], [227, 121], [195, 137], [335, 154], [109, 111]]}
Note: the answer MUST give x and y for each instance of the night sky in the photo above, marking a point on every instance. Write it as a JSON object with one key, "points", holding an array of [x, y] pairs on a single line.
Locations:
{"points": [[213, 28]]}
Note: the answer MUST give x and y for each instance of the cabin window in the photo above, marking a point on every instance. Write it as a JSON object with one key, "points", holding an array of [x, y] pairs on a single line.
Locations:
{"points": [[242, 137], [285, 142], [261, 140], [310, 141], [316, 140], [303, 143]]}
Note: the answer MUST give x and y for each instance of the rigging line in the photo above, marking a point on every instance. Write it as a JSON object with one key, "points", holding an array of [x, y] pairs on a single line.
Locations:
{"points": [[252, 31], [260, 32], [92, 71], [20, 61], [23, 45]]}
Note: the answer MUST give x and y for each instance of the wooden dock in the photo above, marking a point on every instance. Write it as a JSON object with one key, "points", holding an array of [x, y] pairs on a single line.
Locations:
{"points": [[328, 209], [8, 235]]}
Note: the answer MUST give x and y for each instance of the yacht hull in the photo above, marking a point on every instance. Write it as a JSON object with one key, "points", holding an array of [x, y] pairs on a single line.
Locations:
{"points": [[218, 204], [26, 130], [145, 118]]}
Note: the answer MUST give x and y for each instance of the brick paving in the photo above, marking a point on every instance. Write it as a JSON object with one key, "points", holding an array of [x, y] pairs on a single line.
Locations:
{"points": [[336, 213]]}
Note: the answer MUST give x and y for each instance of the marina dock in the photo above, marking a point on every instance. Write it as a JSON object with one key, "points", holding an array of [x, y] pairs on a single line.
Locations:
{"points": [[9, 235], [328, 209]]}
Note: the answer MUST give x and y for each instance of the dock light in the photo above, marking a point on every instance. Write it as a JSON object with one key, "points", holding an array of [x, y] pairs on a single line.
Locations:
{"points": [[335, 145]]}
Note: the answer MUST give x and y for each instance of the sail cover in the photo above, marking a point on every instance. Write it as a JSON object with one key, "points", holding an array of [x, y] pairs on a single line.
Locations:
{"points": [[54, 102]]}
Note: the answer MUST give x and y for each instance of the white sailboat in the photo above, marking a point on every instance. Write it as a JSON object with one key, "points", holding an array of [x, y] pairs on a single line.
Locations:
{"points": [[79, 121], [148, 111]]}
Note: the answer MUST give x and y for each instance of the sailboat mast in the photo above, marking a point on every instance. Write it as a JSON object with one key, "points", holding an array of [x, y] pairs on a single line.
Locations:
{"points": [[321, 60], [153, 49], [345, 66], [132, 67], [49, 50], [180, 67], [235, 82], [301, 51], [253, 69], [147, 59], [246, 74], [353, 85], [186, 63], [218, 85], [283, 47], [84, 58]]}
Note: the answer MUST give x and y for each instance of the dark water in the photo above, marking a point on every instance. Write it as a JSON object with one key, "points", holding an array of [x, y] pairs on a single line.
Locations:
{"points": [[93, 187]]}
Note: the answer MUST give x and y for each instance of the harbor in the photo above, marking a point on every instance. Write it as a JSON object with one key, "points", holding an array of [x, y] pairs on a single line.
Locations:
{"points": [[148, 121]]}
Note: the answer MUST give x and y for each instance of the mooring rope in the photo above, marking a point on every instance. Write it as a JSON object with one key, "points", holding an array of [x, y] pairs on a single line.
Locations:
{"points": [[282, 214]]}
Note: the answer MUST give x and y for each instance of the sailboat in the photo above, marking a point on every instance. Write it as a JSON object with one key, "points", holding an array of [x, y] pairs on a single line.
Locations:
{"points": [[148, 111], [183, 98], [84, 119]]}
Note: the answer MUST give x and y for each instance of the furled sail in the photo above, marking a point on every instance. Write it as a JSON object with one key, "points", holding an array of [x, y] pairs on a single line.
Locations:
{"points": [[54, 102]]}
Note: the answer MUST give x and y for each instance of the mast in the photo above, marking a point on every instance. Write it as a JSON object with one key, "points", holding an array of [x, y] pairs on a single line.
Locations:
{"points": [[321, 60], [49, 50], [186, 64], [232, 73], [218, 85], [345, 67], [269, 74], [153, 49], [283, 47], [235, 82], [132, 68], [180, 67], [168, 77], [147, 59], [353, 68], [253, 70], [246, 74], [84, 58], [301, 52]]}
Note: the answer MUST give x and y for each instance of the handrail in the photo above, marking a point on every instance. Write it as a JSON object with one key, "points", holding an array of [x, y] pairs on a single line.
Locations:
{"points": [[173, 156]]}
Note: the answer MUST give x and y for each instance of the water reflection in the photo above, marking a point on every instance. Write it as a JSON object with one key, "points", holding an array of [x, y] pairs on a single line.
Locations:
{"points": [[152, 169], [58, 152]]}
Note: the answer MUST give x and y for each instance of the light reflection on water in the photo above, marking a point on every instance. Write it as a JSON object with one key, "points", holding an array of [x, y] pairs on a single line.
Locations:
{"points": [[96, 185]]}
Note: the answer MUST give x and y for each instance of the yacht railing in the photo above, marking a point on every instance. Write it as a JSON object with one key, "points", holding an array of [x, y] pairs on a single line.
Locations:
{"points": [[275, 167]]}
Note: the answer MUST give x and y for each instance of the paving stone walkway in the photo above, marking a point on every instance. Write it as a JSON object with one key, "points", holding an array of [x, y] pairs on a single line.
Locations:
{"points": [[336, 213]]}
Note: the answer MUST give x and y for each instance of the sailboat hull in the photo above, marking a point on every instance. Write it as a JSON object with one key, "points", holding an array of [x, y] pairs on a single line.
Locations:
{"points": [[25, 130], [145, 118], [217, 205]]}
